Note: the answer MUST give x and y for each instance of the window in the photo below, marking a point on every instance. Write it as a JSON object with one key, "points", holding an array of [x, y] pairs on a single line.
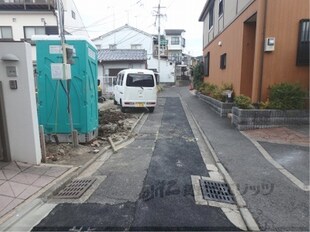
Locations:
{"points": [[140, 80], [303, 43], [6, 33], [30, 31], [175, 40], [223, 61], [73, 14], [112, 46], [221, 8], [206, 66], [211, 17], [135, 46]]}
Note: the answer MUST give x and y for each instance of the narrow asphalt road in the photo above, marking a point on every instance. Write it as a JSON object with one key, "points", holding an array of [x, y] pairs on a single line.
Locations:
{"points": [[147, 185]]}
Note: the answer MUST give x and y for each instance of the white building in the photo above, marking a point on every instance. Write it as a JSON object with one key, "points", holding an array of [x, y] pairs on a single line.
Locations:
{"points": [[127, 37], [175, 44], [20, 20]]}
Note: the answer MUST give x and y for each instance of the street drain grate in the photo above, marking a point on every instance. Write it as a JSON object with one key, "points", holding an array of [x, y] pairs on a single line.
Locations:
{"points": [[76, 188], [216, 191]]}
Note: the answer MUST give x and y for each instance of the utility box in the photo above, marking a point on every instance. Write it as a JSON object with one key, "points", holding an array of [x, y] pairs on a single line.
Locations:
{"points": [[82, 87]]}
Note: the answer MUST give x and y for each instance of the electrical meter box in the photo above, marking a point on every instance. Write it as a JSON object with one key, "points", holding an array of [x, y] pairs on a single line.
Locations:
{"points": [[55, 82]]}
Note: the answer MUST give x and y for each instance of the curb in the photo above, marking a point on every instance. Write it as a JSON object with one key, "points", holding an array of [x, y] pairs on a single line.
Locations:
{"points": [[22, 210], [241, 204]]}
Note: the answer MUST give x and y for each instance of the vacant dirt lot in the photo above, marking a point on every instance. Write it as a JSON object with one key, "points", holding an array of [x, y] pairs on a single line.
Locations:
{"points": [[112, 123]]}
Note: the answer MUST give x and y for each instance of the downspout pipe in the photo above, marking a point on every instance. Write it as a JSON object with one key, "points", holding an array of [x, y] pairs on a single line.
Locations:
{"points": [[261, 70]]}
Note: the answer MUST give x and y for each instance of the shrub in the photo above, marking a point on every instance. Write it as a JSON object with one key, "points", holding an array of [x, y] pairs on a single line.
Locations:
{"points": [[207, 88], [198, 75], [227, 86], [264, 105], [218, 94], [286, 96], [243, 102]]}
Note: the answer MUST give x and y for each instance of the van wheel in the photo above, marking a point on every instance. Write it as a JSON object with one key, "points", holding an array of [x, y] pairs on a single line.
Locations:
{"points": [[123, 109], [115, 102], [151, 109]]}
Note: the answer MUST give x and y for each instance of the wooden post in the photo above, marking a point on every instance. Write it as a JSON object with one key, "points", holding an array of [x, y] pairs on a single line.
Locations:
{"points": [[75, 138], [42, 143]]}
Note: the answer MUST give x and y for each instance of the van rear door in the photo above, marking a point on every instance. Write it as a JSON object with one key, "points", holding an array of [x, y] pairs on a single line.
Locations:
{"points": [[140, 87]]}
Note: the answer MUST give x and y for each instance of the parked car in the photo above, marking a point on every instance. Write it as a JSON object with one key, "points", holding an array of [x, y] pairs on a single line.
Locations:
{"points": [[136, 88]]}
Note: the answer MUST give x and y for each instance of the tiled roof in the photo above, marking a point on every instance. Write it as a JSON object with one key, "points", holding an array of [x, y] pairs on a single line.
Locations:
{"points": [[122, 54], [174, 31]]}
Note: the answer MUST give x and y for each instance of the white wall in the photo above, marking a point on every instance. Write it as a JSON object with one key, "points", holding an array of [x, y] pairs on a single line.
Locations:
{"points": [[75, 25], [18, 19], [20, 104], [25, 18], [125, 38]]}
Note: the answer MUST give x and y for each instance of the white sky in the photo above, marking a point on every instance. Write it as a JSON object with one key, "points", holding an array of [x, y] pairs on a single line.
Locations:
{"points": [[102, 16]]}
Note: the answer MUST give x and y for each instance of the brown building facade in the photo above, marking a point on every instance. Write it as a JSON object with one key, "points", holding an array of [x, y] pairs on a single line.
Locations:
{"points": [[254, 44]]}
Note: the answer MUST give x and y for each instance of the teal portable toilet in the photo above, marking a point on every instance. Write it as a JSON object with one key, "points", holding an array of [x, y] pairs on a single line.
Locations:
{"points": [[52, 94]]}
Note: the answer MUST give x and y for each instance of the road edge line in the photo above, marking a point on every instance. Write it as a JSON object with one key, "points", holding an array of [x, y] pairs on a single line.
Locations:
{"points": [[245, 213]]}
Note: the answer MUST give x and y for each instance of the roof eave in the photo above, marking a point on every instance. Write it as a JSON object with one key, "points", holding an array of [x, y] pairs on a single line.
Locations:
{"points": [[205, 10]]}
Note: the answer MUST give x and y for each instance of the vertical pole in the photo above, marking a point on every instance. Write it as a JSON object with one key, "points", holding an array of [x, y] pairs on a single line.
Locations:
{"points": [[64, 55], [158, 39], [42, 142], [75, 138]]}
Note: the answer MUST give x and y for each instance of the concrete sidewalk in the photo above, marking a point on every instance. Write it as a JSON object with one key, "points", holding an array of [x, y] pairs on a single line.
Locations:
{"points": [[20, 182], [270, 166]]}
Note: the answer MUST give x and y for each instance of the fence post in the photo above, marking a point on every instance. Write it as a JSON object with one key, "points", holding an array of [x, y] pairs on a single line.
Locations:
{"points": [[42, 143]]}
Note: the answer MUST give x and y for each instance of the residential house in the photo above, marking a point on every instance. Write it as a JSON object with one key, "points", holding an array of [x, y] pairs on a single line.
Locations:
{"points": [[128, 37], [254, 44], [112, 61], [21, 19], [175, 44]]}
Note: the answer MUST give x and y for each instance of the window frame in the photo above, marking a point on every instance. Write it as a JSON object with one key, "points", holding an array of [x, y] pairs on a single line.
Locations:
{"points": [[221, 8], [173, 42], [112, 46], [223, 61], [34, 27], [136, 46], [206, 65], [211, 18], [1, 33], [302, 56], [73, 15]]}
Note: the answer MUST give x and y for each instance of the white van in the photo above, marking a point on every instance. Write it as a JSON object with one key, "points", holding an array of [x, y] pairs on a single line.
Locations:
{"points": [[135, 88]]}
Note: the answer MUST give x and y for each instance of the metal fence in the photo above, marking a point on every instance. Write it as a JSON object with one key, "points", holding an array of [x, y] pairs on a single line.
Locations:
{"points": [[107, 85]]}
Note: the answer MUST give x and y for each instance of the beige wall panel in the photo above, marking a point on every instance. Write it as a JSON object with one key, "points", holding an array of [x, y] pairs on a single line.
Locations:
{"points": [[232, 44], [283, 18]]}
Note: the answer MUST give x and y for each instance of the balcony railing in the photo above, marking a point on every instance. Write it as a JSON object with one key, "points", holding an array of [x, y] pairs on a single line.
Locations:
{"points": [[27, 5]]}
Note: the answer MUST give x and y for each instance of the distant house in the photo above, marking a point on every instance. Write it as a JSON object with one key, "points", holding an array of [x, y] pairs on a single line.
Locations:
{"points": [[254, 44], [175, 44], [128, 37], [20, 20], [112, 61]]}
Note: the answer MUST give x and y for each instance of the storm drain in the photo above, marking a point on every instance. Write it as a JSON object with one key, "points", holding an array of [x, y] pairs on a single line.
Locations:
{"points": [[76, 188], [216, 191]]}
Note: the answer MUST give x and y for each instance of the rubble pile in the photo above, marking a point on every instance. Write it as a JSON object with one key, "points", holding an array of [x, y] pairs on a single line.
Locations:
{"points": [[112, 123]]}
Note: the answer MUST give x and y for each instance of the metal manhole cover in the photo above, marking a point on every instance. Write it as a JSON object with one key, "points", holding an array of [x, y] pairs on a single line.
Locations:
{"points": [[216, 191], [76, 188]]}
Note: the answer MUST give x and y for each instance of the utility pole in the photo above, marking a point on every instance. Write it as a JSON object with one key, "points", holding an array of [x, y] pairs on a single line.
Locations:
{"points": [[158, 16], [64, 57]]}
